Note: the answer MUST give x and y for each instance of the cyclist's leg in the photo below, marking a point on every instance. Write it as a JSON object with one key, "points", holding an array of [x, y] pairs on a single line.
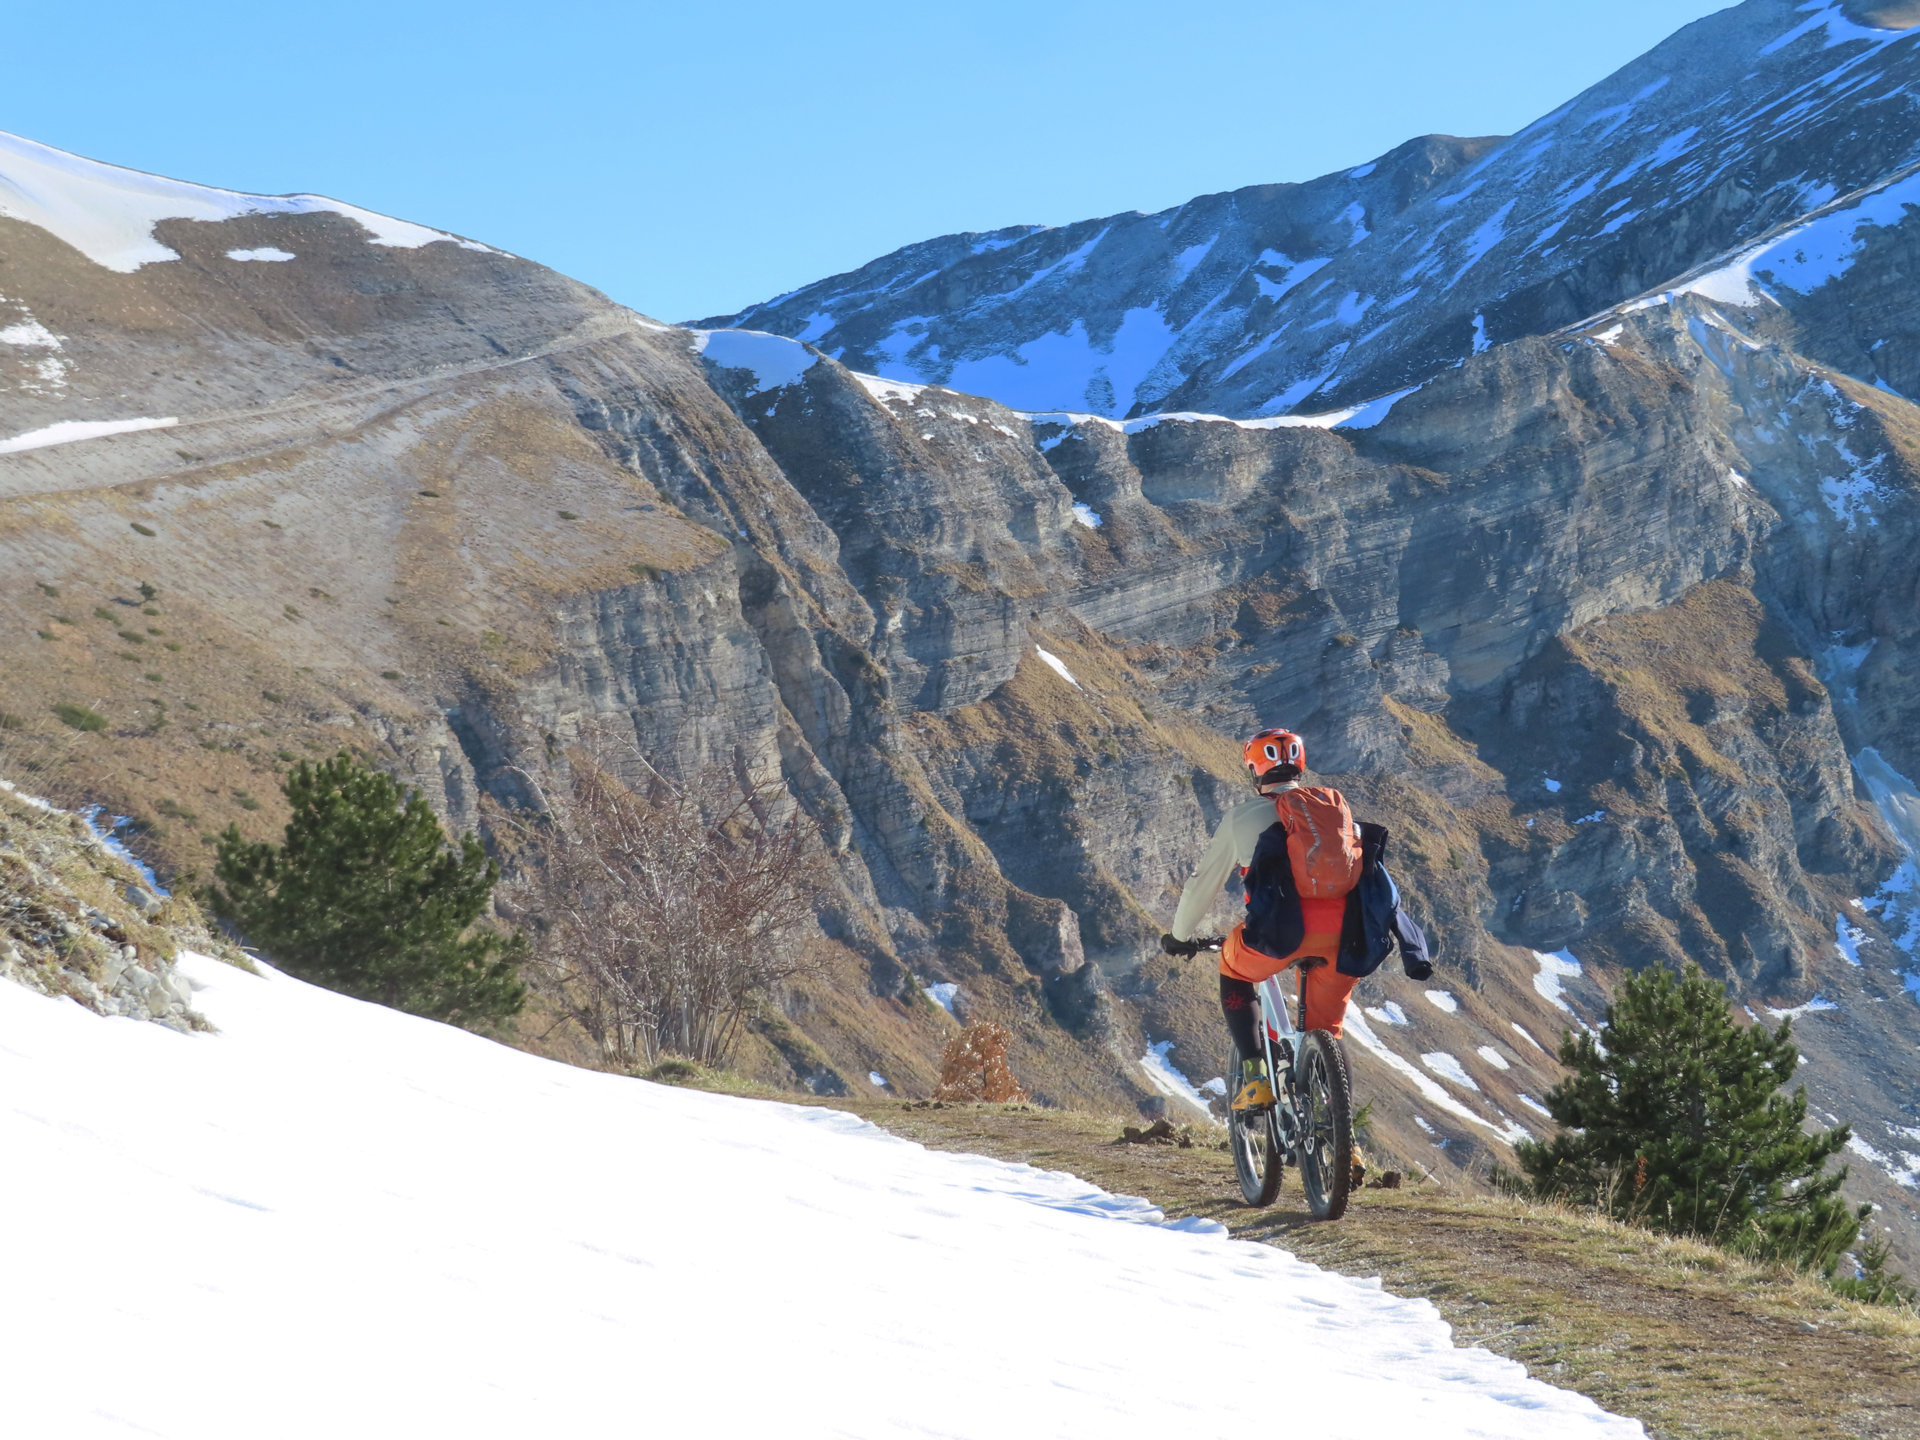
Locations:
{"points": [[1241, 1005], [1326, 999]]}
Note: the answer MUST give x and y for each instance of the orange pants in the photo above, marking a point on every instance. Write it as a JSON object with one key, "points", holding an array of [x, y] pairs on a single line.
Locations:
{"points": [[1326, 988]]}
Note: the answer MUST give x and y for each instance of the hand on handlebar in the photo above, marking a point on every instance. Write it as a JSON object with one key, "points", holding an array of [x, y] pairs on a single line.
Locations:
{"points": [[1189, 948]]}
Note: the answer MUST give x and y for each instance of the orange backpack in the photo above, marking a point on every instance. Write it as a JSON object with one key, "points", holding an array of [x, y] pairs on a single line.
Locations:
{"points": [[1324, 844]]}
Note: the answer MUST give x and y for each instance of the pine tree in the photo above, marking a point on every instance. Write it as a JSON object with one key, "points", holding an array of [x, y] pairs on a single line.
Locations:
{"points": [[367, 897], [1674, 1118]]}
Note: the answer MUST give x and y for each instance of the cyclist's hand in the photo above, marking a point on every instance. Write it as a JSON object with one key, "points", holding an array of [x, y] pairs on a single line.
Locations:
{"points": [[1418, 969], [1178, 947]]}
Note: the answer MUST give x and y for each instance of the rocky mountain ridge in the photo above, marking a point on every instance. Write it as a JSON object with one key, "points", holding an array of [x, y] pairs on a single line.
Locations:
{"points": [[1280, 299], [1599, 621]]}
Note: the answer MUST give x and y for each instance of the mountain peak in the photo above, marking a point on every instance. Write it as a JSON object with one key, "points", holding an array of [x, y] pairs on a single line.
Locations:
{"points": [[108, 212]]}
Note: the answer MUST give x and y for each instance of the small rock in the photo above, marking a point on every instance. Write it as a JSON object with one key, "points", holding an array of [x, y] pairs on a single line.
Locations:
{"points": [[1161, 1132], [1387, 1180]]}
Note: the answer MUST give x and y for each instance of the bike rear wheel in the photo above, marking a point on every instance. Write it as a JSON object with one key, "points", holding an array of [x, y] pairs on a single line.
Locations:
{"points": [[1324, 1095], [1259, 1159]]}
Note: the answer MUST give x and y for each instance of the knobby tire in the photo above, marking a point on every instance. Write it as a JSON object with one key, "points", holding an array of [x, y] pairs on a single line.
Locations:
{"points": [[1258, 1157], [1325, 1098]]}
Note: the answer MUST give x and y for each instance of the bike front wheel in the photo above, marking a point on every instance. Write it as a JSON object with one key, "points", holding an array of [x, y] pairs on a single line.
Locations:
{"points": [[1259, 1159], [1324, 1096]]}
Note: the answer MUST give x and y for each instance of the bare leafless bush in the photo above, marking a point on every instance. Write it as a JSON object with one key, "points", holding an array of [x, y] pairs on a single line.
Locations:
{"points": [[664, 913], [975, 1067]]}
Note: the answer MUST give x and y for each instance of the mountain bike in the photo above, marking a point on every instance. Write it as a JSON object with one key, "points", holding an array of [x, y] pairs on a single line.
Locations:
{"points": [[1311, 1119]]}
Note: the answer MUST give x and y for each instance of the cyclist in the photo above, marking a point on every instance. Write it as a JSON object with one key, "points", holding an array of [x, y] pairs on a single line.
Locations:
{"points": [[1317, 894]]}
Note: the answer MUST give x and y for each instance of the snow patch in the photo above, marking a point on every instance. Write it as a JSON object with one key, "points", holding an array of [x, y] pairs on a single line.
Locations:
{"points": [[29, 333], [882, 389], [1059, 666], [1847, 938], [1448, 1068], [1170, 1082], [1494, 1058], [265, 252], [1357, 1026], [1903, 1171], [1443, 1000], [1187, 259], [1533, 1104], [1066, 368], [107, 212], [1553, 785], [1085, 514], [775, 360], [1550, 979], [943, 994], [1809, 255], [65, 432], [1356, 216], [876, 1079], [1293, 272], [1797, 1012], [1389, 1013]]}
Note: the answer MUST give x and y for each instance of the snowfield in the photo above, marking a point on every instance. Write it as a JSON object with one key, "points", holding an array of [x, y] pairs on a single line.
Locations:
{"points": [[332, 1219]]}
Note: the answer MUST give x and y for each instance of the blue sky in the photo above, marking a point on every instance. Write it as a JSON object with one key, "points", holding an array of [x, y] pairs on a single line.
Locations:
{"points": [[691, 158]]}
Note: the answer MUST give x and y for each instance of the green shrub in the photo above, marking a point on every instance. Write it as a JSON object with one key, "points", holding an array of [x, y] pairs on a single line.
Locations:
{"points": [[100, 612], [367, 896], [143, 530], [390, 675], [1875, 1284], [80, 717], [52, 592], [273, 697], [132, 637], [1674, 1119], [154, 677]]}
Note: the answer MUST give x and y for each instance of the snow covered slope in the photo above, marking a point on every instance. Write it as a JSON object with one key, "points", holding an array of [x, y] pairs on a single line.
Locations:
{"points": [[334, 1219], [107, 212], [1282, 297]]}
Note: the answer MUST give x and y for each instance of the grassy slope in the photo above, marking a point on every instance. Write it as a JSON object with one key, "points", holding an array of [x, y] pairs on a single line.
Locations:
{"points": [[1678, 1335]]}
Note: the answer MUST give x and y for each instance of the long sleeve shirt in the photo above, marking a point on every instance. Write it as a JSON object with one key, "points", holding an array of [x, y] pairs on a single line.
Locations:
{"points": [[1232, 849]]}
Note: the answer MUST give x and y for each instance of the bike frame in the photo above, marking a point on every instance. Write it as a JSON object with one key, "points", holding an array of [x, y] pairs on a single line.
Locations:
{"points": [[1280, 1038]]}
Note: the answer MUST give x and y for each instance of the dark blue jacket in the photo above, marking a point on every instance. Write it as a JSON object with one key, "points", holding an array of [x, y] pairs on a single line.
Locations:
{"points": [[1374, 920]]}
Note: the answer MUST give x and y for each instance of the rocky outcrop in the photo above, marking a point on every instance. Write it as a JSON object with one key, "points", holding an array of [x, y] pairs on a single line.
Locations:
{"points": [[77, 920]]}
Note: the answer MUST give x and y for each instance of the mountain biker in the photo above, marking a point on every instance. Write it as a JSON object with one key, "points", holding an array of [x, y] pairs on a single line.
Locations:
{"points": [[1318, 897]]}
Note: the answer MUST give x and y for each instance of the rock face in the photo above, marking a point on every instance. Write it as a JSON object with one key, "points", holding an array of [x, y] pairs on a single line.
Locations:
{"points": [[78, 921], [1611, 619]]}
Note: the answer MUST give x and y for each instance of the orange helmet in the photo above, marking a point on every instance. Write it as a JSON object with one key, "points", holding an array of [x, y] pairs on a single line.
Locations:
{"points": [[1272, 749]]}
